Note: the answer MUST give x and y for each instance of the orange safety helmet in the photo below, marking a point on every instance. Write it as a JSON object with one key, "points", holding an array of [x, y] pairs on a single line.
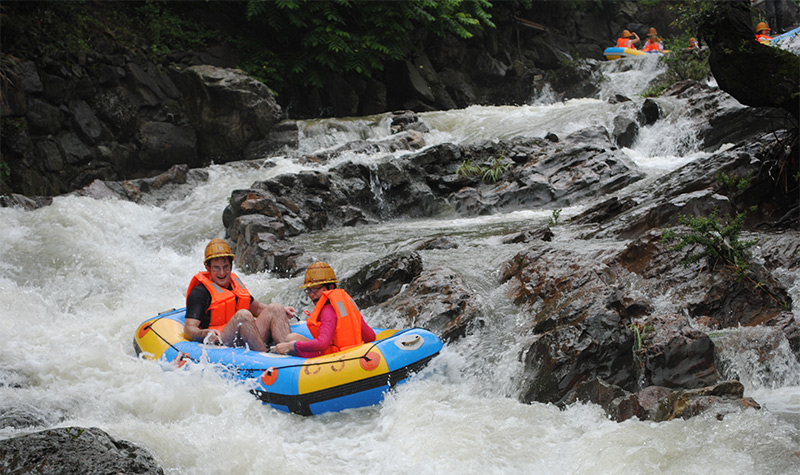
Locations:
{"points": [[319, 273], [652, 32], [218, 248], [761, 27], [626, 34]]}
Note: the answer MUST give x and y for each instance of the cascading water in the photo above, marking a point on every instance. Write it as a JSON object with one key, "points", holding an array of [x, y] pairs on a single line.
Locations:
{"points": [[80, 275]]}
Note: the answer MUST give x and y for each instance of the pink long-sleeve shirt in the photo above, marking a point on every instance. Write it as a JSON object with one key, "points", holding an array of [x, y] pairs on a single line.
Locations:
{"points": [[317, 346]]}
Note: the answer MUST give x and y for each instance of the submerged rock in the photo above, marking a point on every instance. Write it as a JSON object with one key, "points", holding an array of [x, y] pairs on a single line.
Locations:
{"points": [[658, 404]]}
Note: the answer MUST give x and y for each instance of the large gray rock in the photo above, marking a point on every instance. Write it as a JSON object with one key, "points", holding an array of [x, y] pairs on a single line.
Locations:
{"points": [[74, 451], [43, 118], [227, 108], [164, 145]]}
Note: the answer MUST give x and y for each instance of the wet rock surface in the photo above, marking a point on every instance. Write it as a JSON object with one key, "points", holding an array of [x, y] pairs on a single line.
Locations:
{"points": [[74, 450], [434, 182]]}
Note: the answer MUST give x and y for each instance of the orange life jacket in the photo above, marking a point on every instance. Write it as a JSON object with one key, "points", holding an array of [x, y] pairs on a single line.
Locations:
{"points": [[348, 321], [224, 302], [652, 46], [625, 43], [764, 39]]}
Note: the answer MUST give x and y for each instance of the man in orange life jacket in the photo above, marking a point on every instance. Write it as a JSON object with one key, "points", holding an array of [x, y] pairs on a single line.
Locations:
{"points": [[625, 41], [762, 33], [653, 43], [219, 309], [336, 322]]}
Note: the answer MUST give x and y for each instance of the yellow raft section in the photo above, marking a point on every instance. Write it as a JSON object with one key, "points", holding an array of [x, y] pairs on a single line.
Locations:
{"points": [[327, 371], [152, 345]]}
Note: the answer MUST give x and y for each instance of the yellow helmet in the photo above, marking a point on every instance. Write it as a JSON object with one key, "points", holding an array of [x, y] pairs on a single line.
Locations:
{"points": [[652, 32], [626, 34], [319, 273], [218, 248], [761, 26]]}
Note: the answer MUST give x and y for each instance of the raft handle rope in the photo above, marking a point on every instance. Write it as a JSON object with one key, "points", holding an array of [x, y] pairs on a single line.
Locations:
{"points": [[181, 355]]}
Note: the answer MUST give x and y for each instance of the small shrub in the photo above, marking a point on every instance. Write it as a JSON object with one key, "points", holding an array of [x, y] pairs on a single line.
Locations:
{"points": [[654, 90], [732, 183], [719, 241]]}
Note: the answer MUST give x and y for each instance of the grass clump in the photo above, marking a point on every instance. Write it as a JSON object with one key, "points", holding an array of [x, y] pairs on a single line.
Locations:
{"points": [[488, 173]]}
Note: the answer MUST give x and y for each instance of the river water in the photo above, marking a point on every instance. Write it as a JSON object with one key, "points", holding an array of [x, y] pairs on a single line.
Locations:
{"points": [[80, 275]]}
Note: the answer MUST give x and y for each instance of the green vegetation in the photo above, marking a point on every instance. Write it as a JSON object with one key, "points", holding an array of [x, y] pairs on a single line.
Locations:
{"points": [[681, 67], [654, 90], [308, 40], [496, 170], [169, 31], [467, 168], [554, 218], [718, 240], [9, 66], [731, 183], [490, 174], [5, 170], [639, 334], [280, 42]]}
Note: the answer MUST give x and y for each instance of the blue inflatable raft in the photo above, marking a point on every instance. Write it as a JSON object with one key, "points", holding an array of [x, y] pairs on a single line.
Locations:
{"points": [[616, 52], [789, 34], [356, 377]]}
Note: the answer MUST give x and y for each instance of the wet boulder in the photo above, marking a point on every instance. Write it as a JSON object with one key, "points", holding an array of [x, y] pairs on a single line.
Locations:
{"points": [[227, 108], [438, 300], [650, 112], [74, 450], [403, 120], [266, 252], [721, 399], [671, 353], [755, 74], [576, 79], [84, 121], [658, 404], [625, 131], [383, 279], [575, 334], [164, 145], [406, 140]]}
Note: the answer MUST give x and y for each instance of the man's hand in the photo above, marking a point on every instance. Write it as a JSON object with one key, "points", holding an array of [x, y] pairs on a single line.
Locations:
{"points": [[213, 337]]}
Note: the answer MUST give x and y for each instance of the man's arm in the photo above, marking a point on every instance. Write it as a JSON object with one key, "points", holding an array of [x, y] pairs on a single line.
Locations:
{"points": [[192, 331], [197, 303]]}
